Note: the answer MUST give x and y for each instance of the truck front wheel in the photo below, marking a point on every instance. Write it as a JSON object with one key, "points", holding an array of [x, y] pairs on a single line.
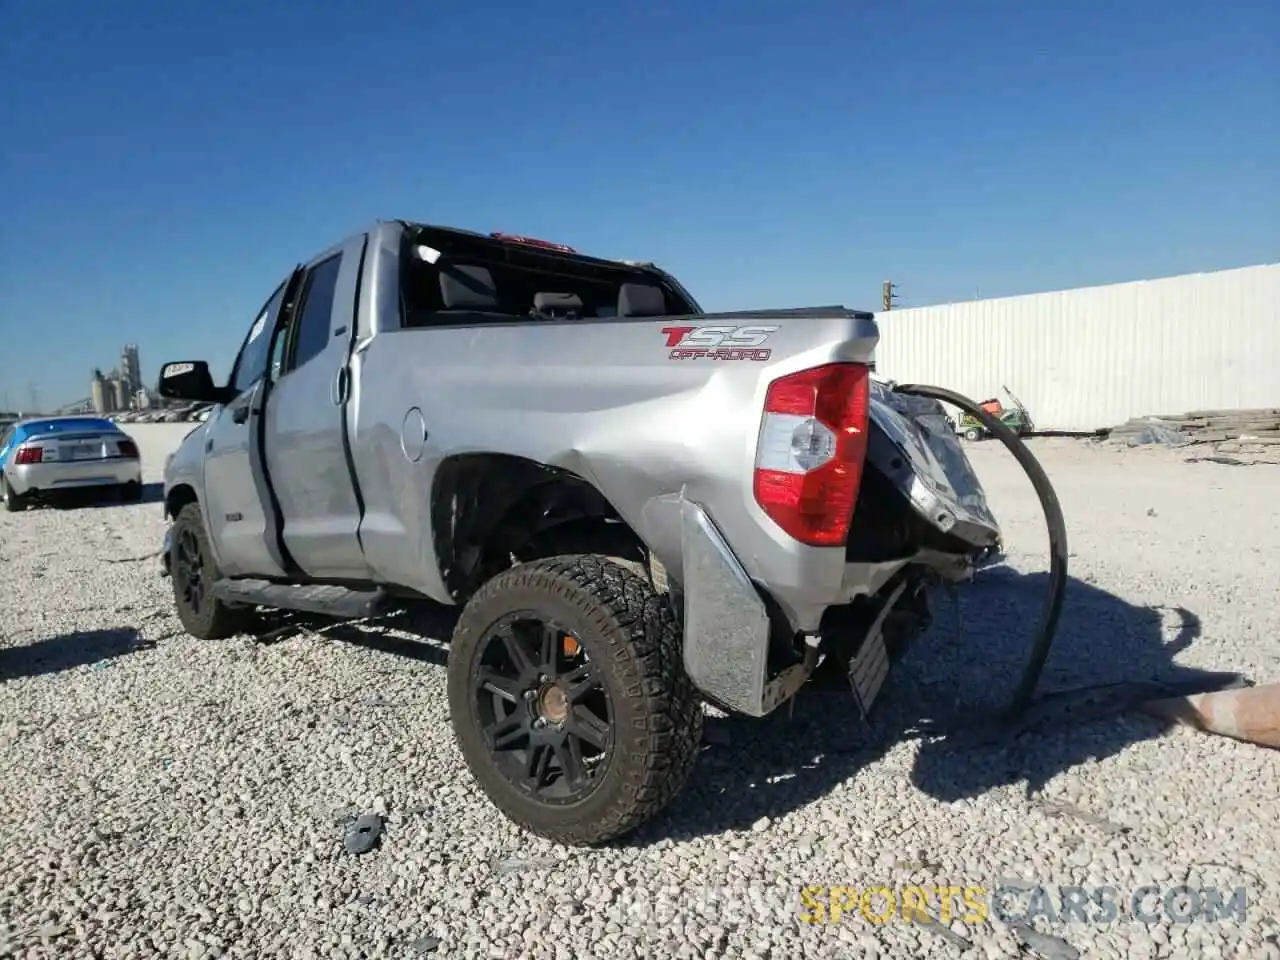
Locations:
{"points": [[193, 574], [569, 700]]}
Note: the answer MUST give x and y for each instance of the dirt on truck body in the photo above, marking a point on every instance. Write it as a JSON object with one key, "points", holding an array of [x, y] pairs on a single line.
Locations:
{"points": [[639, 506]]}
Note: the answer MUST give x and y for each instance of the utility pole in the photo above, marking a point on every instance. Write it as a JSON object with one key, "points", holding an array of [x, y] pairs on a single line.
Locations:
{"points": [[887, 294], [35, 398]]}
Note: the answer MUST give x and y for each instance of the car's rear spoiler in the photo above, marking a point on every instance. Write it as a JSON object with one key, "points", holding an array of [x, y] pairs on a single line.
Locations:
{"points": [[70, 435]]}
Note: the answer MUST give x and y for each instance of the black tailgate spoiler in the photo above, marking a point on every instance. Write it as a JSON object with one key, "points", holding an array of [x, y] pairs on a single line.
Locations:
{"points": [[786, 313]]}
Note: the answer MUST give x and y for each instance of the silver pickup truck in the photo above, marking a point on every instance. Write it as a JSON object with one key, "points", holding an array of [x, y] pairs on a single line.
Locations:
{"points": [[639, 507]]}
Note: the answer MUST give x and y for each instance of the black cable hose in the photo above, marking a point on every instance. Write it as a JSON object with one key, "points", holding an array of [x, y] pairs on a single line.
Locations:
{"points": [[1057, 528]]}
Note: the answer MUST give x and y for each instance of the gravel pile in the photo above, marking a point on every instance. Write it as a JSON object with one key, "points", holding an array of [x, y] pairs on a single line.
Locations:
{"points": [[164, 797]]}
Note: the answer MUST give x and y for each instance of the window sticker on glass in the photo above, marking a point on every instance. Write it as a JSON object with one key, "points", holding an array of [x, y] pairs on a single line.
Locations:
{"points": [[429, 254], [258, 326]]}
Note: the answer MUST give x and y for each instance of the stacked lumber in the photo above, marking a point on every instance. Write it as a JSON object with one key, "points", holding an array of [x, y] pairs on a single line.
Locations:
{"points": [[1258, 426]]}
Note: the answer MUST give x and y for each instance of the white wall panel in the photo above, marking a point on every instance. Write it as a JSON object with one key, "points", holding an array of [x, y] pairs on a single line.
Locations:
{"points": [[1094, 357]]}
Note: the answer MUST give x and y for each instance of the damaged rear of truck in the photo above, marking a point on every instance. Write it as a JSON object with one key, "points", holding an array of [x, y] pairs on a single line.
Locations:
{"points": [[639, 506]]}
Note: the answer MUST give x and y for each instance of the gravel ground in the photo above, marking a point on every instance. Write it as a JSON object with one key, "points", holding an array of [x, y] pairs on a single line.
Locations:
{"points": [[162, 796]]}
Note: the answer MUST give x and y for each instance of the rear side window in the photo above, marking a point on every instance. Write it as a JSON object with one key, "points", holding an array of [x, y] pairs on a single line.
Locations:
{"points": [[252, 363], [316, 313]]}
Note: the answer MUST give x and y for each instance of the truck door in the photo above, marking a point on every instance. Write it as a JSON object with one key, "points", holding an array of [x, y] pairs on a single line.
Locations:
{"points": [[304, 439], [238, 507]]}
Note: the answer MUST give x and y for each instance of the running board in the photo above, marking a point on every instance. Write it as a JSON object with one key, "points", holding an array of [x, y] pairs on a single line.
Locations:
{"points": [[324, 599]]}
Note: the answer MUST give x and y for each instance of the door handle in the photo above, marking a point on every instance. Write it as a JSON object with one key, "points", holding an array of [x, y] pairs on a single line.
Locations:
{"points": [[241, 414], [338, 394]]}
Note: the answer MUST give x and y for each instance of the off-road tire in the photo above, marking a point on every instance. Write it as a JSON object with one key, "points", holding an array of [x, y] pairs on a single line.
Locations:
{"points": [[12, 501], [215, 619], [628, 631]]}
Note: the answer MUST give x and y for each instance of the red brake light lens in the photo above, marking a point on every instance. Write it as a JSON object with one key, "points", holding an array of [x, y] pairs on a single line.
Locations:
{"points": [[532, 242], [127, 448], [29, 455], [813, 441]]}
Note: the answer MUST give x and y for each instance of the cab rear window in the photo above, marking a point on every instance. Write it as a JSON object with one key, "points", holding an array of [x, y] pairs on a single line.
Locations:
{"points": [[450, 279]]}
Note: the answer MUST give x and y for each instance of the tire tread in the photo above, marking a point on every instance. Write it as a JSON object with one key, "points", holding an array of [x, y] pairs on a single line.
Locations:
{"points": [[218, 621], [637, 621]]}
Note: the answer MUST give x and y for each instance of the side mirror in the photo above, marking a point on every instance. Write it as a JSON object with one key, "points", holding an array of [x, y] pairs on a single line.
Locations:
{"points": [[188, 380]]}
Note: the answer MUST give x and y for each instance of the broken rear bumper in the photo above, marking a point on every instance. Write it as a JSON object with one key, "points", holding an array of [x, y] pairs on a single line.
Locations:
{"points": [[727, 639], [727, 627]]}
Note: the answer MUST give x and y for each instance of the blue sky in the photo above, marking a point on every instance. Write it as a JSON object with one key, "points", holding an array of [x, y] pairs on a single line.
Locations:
{"points": [[165, 164]]}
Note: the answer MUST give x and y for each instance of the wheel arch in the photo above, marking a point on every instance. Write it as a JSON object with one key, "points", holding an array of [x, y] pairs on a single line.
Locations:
{"points": [[487, 508], [178, 497]]}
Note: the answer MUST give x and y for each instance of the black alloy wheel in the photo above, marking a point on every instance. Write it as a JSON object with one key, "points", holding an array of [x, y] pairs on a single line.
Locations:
{"points": [[193, 572], [569, 700], [188, 572], [543, 708]]}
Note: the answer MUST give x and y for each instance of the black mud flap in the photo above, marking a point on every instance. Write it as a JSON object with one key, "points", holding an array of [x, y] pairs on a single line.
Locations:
{"points": [[869, 667]]}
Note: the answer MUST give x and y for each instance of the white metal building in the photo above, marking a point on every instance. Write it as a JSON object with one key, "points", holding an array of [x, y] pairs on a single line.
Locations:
{"points": [[1094, 357]]}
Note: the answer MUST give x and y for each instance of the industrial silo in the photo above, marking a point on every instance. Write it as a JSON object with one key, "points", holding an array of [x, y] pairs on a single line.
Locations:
{"points": [[100, 395]]}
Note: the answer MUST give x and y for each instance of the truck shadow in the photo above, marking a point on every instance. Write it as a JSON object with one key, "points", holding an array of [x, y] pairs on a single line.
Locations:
{"points": [[419, 632], [938, 694], [749, 769], [69, 651]]}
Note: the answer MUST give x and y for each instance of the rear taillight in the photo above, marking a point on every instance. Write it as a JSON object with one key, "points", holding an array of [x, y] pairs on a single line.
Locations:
{"points": [[127, 448], [813, 440], [29, 455]]}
